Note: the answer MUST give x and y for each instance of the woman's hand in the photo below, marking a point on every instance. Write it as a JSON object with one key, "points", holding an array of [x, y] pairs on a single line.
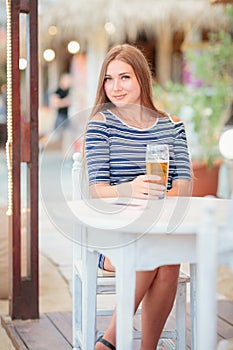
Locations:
{"points": [[142, 187], [147, 187]]}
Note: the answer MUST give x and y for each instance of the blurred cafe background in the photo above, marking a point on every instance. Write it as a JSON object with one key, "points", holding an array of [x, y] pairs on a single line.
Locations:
{"points": [[188, 44]]}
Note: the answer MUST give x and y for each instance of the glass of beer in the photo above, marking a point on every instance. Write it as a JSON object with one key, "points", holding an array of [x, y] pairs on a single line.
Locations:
{"points": [[157, 162]]}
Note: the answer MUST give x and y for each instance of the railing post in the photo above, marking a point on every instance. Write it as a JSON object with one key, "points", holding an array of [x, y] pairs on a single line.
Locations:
{"points": [[22, 148]]}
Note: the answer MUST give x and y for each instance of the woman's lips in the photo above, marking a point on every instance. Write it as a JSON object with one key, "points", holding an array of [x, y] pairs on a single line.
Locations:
{"points": [[119, 97]]}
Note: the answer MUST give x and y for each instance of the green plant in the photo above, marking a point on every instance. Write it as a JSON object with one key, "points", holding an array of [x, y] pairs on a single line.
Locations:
{"points": [[204, 111], [210, 113], [209, 103]]}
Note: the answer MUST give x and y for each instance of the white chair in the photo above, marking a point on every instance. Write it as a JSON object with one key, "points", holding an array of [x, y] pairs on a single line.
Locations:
{"points": [[226, 258], [214, 246], [87, 283], [226, 243]]}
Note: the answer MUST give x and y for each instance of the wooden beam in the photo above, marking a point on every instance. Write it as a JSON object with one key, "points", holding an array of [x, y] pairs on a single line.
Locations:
{"points": [[24, 291], [221, 2], [24, 6]]}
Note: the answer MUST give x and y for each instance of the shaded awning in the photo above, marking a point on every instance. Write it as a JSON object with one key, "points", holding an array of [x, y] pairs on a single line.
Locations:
{"points": [[82, 19]]}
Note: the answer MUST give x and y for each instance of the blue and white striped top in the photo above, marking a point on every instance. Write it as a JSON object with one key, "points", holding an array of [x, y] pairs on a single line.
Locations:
{"points": [[116, 152]]}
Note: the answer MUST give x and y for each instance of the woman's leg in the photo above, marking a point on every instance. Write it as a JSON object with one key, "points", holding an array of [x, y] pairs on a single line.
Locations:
{"points": [[143, 282], [108, 265], [157, 304], [158, 290]]}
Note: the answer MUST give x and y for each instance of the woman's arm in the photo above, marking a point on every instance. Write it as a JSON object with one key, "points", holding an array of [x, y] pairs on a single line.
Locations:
{"points": [[182, 175], [141, 187], [181, 188]]}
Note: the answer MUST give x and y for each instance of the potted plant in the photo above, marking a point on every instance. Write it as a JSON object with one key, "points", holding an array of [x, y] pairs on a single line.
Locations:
{"points": [[205, 108], [210, 111]]}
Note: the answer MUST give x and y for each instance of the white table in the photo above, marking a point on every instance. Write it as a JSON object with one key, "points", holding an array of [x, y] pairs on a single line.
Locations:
{"points": [[142, 235]]}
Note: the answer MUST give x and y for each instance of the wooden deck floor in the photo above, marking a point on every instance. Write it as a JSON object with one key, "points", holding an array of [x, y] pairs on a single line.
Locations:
{"points": [[54, 330]]}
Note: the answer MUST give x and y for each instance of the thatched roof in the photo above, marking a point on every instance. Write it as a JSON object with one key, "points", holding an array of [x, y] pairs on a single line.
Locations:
{"points": [[81, 19]]}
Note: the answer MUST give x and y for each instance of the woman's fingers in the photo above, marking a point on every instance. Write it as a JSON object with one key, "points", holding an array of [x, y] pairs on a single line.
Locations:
{"points": [[155, 190], [148, 187]]}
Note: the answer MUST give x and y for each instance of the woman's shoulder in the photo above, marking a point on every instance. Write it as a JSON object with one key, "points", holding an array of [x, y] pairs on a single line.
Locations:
{"points": [[98, 123], [173, 119], [171, 123], [99, 117], [103, 116]]}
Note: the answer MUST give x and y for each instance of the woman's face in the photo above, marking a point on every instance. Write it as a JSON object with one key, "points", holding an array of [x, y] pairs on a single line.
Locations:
{"points": [[121, 85]]}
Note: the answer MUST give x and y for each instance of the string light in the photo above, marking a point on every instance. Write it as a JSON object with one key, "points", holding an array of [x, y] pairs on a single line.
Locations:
{"points": [[109, 28], [49, 55], [73, 47], [52, 30], [22, 63], [9, 144]]}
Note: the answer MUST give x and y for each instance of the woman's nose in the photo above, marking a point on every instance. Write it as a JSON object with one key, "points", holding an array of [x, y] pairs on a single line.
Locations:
{"points": [[117, 84]]}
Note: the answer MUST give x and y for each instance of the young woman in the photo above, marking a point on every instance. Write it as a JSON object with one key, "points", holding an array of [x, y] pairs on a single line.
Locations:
{"points": [[124, 120]]}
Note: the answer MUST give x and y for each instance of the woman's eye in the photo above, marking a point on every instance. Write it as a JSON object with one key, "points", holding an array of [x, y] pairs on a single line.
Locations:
{"points": [[125, 77], [107, 79]]}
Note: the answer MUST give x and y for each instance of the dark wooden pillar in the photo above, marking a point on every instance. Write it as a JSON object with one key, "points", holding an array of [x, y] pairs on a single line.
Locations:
{"points": [[22, 149]]}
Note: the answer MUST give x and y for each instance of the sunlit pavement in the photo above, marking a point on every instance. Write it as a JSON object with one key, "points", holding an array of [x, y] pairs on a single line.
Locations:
{"points": [[52, 243]]}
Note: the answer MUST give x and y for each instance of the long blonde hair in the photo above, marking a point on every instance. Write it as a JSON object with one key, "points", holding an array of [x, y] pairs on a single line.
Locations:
{"points": [[135, 58]]}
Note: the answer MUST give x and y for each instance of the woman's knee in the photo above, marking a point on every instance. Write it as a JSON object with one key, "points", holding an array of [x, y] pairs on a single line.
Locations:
{"points": [[168, 274]]}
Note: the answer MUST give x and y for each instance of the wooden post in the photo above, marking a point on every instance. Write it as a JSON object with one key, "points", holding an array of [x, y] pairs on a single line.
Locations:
{"points": [[164, 51], [22, 147], [96, 49]]}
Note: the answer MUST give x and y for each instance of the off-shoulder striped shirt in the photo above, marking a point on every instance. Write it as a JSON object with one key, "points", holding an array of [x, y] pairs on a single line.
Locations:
{"points": [[116, 152]]}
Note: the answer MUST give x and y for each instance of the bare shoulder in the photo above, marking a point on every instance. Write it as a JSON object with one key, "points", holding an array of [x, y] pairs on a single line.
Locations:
{"points": [[174, 118], [98, 117]]}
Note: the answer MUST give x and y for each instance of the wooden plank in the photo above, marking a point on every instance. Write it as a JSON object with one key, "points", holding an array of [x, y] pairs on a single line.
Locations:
{"points": [[219, 334], [17, 341], [54, 330], [41, 334], [37, 334], [225, 310], [224, 329], [63, 322]]}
